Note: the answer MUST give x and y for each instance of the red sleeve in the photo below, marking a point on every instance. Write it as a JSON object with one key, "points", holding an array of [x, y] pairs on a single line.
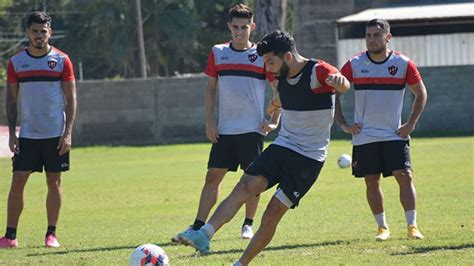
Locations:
{"points": [[211, 66], [413, 76], [323, 69], [68, 70], [11, 74], [346, 71], [269, 76]]}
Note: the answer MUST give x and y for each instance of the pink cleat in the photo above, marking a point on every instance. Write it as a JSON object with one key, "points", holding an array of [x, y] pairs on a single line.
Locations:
{"points": [[51, 241], [8, 243]]}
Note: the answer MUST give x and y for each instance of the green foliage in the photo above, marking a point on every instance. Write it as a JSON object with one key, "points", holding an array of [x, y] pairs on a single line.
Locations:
{"points": [[102, 34], [116, 198]]}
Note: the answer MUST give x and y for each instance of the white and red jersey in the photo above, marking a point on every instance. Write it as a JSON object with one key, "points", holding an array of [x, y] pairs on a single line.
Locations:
{"points": [[241, 87], [40, 95], [307, 110], [379, 88]]}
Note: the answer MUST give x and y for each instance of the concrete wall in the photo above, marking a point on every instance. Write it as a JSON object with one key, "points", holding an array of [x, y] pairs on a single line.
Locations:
{"points": [[162, 111]]}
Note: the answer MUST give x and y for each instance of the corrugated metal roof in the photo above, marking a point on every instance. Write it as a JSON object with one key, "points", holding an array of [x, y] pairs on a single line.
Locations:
{"points": [[413, 13]]}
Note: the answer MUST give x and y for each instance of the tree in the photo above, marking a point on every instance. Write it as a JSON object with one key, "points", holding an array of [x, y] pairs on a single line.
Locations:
{"points": [[270, 15]]}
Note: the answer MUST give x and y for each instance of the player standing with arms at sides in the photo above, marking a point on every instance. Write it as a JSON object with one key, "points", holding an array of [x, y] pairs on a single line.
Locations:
{"points": [[294, 160], [380, 142], [236, 70], [41, 79]]}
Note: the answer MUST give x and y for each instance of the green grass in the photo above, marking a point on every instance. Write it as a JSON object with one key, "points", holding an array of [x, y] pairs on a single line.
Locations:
{"points": [[116, 198]]}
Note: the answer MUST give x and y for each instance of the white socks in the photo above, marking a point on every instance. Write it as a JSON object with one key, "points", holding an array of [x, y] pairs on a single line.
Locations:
{"points": [[209, 230], [411, 217], [380, 219]]}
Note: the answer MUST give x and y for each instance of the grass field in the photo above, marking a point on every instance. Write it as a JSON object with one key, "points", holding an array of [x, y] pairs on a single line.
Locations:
{"points": [[116, 198]]}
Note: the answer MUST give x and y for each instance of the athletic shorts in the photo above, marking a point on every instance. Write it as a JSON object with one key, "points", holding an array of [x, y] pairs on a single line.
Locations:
{"points": [[38, 153], [233, 150], [294, 173], [381, 157]]}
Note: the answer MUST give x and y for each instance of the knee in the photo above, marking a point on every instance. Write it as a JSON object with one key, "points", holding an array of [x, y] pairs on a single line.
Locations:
{"points": [[54, 184], [213, 179], [404, 178]]}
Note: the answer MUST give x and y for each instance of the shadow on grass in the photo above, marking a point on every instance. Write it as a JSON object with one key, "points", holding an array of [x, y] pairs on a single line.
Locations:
{"points": [[103, 249], [418, 250]]}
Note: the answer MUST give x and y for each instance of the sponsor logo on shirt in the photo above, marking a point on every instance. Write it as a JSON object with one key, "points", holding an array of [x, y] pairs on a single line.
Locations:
{"points": [[392, 70], [253, 57], [52, 64], [224, 58], [25, 66], [364, 71]]}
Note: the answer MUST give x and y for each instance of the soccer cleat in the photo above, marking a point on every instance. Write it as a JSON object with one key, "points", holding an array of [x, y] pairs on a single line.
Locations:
{"points": [[382, 234], [175, 239], [50, 241], [8, 243], [247, 232], [196, 239], [414, 233]]}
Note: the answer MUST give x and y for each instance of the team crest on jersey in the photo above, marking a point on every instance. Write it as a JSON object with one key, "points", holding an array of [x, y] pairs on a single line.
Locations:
{"points": [[392, 70], [253, 57], [52, 64]]}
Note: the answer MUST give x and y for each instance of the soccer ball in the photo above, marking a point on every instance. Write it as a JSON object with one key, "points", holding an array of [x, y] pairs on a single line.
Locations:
{"points": [[344, 161], [149, 255]]}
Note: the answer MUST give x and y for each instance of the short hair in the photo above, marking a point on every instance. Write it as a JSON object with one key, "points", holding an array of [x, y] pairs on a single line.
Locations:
{"points": [[381, 23], [240, 11], [279, 42], [39, 18]]}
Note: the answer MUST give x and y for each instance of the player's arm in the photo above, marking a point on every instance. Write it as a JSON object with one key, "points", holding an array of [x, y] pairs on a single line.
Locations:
{"points": [[339, 82], [12, 114], [354, 129], [209, 102], [419, 90], [69, 91], [273, 110]]}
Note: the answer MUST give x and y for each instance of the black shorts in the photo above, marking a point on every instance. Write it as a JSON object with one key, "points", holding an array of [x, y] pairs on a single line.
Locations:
{"points": [[294, 173], [381, 157], [38, 153], [233, 150]]}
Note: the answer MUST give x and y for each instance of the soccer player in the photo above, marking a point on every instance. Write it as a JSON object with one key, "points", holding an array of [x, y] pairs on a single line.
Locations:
{"points": [[294, 160], [239, 74], [40, 77], [380, 143]]}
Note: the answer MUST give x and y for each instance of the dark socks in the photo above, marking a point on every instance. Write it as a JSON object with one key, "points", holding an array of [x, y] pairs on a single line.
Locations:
{"points": [[10, 233], [198, 224], [248, 222], [51, 230]]}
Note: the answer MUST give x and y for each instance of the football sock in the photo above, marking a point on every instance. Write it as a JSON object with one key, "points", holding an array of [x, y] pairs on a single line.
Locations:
{"points": [[411, 217], [248, 221], [10, 233], [198, 224], [51, 230], [380, 219], [209, 230]]}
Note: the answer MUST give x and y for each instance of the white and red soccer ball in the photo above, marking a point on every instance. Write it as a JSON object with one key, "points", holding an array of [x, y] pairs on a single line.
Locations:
{"points": [[149, 255]]}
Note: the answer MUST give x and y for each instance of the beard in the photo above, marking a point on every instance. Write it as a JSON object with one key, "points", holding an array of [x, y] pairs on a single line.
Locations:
{"points": [[283, 71], [37, 45]]}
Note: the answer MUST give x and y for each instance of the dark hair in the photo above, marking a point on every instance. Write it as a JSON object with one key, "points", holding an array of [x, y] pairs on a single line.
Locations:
{"points": [[240, 11], [39, 18], [279, 42], [381, 23]]}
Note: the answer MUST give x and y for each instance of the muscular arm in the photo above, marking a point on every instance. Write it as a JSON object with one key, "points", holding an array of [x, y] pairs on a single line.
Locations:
{"points": [[12, 114], [209, 102], [69, 91], [419, 90], [341, 121]]}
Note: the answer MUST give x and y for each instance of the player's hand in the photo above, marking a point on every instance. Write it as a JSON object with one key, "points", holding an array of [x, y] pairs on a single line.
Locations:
{"points": [[405, 130], [335, 80], [273, 105], [353, 129], [14, 144], [211, 132], [268, 127], [64, 144]]}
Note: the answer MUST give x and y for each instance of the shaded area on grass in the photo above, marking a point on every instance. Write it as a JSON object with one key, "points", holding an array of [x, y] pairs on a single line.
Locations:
{"points": [[417, 250], [103, 249]]}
